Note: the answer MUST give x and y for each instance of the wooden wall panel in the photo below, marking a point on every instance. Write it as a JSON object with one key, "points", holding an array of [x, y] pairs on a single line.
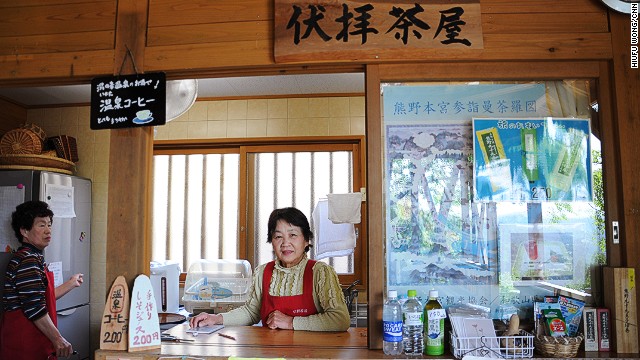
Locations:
{"points": [[204, 56], [11, 4], [37, 44], [11, 116], [55, 68], [539, 30], [209, 33], [172, 12], [57, 19], [541, 6], [555, 23]]}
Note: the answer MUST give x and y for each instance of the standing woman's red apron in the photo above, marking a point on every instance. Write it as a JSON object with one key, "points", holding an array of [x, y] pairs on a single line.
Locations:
{"points": [[21, 339], [295, 305]]}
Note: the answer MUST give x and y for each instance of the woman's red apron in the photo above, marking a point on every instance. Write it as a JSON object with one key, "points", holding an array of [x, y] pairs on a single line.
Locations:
{"points": [[21, 339], [295, 305]]}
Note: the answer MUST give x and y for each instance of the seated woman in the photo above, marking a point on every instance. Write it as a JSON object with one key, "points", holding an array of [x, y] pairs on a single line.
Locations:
{"points": [[291, 292]]}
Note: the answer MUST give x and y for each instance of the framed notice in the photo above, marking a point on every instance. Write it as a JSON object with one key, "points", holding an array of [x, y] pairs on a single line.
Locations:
{"points": [[532, 159], [128, 101], [536, 252]]}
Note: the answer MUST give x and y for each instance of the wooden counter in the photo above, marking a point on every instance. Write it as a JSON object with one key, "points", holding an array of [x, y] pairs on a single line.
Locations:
{"points": [[260, 342], [257, 341]]}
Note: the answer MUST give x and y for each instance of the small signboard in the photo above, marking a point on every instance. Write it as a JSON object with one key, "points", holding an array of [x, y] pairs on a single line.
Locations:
{"points": [[144, 326], [128, 101], [115, 318]]}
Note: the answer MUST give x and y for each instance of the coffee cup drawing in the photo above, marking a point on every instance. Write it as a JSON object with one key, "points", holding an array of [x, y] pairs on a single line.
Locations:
{"points": [[143, 114]]}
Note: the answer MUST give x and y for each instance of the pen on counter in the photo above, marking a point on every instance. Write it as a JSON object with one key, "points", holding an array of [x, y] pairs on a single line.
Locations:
{"points": [[226, 336]]}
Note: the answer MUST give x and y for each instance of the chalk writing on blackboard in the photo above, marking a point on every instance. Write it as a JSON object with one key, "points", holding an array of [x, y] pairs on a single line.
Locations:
{"points": [[128, 101]]}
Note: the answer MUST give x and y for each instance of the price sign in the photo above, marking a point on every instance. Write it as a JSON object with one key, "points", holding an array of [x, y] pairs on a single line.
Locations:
{"points": [[128, 101]]}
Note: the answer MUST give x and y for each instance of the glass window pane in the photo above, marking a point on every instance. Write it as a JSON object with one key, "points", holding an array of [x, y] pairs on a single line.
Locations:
{"points": [[300, 179], [194, 196], [485, 252]]}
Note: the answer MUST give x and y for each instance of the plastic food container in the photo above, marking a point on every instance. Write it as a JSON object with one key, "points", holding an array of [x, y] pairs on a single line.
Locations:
{"points": [[218, 285]]}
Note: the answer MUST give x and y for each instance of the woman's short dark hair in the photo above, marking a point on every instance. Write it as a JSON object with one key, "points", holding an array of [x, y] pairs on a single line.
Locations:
{"points": [[25, 215], [291, 216]]}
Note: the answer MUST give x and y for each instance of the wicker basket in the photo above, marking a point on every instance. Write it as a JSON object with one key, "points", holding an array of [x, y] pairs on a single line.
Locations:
{"points": [[36, 130], [558, 347], [20, 141], [65, 146]]}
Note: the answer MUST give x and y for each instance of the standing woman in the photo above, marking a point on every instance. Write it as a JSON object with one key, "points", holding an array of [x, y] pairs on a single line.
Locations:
{"points": [[28, 330], [292, 292]]}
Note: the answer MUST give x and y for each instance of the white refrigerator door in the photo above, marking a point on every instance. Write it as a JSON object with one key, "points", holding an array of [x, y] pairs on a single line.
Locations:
{"points": [[70, 248]]}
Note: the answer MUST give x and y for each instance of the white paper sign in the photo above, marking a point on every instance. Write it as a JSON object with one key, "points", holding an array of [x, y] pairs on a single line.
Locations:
{"points": [[144, 326], [60, 200], [56, 268], [436, 314], [10, 197]]}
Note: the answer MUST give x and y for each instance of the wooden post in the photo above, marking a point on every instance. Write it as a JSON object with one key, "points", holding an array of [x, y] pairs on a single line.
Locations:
{"points": [[130, 161]]}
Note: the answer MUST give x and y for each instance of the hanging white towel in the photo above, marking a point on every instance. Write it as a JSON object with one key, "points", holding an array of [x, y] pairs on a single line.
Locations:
{"points": [[345, 208], [331, 239]]}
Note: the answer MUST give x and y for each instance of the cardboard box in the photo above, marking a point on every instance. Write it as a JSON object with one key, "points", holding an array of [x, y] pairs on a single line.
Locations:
{"points": [[621, 298], [604, 330], [590, 321]]}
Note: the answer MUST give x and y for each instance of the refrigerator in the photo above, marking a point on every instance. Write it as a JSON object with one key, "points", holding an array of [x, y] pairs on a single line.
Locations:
{"points": [[70, 249]]}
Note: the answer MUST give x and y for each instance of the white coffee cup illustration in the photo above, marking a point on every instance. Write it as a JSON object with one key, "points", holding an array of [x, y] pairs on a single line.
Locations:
{"points": [[143, 114]]}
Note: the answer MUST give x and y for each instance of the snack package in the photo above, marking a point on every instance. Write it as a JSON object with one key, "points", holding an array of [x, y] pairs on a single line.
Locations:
{"points": [[555, 322], [572, 312], [539, 321]]}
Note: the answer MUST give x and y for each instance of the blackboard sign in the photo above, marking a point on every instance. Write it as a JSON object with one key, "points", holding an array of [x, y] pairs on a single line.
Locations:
{"points": [[128, 101]]}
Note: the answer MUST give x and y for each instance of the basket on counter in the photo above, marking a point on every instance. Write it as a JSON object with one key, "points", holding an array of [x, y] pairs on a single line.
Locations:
{"points": [[505, 347], [20, 141], [558, 347]]}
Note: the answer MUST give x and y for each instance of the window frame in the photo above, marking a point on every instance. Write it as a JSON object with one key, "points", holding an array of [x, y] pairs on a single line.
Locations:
{"points": [[245, 146]]}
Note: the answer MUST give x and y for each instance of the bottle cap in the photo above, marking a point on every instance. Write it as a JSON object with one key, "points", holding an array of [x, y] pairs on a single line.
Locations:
{"points": [[412, 293], [433, 294], [392, 294]]}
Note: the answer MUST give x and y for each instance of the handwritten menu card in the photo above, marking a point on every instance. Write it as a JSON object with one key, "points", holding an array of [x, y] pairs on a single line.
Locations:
{"points": [[115, 321], [128, 101], [144, 326]]}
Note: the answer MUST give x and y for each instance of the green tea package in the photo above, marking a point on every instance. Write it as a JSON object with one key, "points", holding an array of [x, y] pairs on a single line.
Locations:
{"points": [[554, 322]]}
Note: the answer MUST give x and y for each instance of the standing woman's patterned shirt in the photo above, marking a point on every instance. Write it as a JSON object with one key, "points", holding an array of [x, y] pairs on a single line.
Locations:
{"points": [[26, 283]]}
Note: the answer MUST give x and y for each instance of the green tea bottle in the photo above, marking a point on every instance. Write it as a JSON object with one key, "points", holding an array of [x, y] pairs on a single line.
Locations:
{"points": [[434, 316]]}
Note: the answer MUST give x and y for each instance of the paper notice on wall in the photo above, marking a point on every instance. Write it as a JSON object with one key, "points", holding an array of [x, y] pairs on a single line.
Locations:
{"points": [[56, 269], [60, 200], [10, 197]]}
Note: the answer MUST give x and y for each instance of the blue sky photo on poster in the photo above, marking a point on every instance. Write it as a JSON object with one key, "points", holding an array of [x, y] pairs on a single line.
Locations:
{"points": [[439, 103], [532, 159]]}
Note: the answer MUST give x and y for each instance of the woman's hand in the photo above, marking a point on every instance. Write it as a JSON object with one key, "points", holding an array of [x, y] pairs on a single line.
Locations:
{"points": [[278, 320], [204, 319], [76, 280], [63, 347]]}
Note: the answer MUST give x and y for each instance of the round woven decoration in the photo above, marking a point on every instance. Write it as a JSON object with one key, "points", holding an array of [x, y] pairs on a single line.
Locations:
{"points": [[20, 141], [36, 130]]}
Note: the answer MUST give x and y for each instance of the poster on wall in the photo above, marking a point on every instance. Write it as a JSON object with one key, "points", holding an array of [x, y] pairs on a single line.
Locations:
{"points": [[532, 159], [437, 237], [537, 252]]}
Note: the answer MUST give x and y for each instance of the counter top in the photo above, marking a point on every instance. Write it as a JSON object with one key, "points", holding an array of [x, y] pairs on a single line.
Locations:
{"points": [[258, 341]]}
